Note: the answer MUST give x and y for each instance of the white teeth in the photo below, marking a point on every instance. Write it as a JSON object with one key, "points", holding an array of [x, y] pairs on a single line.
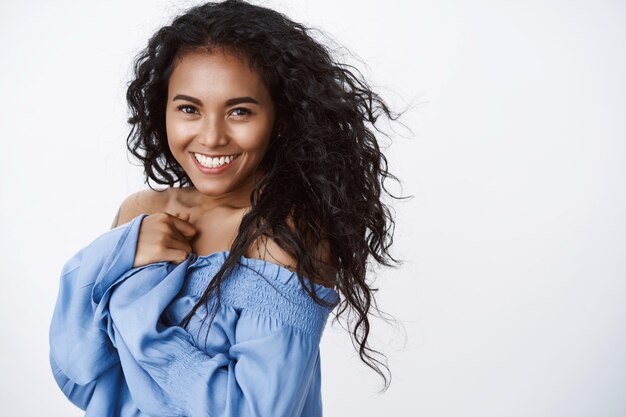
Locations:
{"points": [[209, 162]]}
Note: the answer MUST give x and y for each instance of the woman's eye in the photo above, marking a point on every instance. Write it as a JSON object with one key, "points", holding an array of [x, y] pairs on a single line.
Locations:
{"points": [[243, 110], [185, 106]]}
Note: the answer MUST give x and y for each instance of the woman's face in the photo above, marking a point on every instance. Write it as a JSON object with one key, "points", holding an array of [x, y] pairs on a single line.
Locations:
{"points": [[217, 107]]}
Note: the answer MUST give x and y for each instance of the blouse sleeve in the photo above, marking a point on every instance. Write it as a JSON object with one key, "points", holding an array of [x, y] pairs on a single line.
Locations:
{"points": [[266, 371], [80, 348]]}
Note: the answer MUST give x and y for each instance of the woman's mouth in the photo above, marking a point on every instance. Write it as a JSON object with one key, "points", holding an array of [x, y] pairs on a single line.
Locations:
{"points": [[210, 165]]}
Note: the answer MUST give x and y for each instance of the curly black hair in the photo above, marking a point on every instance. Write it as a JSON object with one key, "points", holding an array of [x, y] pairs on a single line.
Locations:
{"points": [[324, 173]]}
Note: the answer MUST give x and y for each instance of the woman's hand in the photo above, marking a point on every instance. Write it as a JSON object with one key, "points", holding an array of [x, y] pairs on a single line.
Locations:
{"points": [[164, 237]]}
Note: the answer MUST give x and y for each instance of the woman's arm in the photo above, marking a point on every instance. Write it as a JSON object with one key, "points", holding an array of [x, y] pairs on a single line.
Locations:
{"points": [[79, 344], [107, 322]]}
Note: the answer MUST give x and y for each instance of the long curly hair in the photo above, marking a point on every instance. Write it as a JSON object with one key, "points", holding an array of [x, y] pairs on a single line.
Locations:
{"points": [[323, 170]]}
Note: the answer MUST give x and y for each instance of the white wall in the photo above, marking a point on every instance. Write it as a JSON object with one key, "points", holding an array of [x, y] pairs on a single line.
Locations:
{"points": [[512, 296]]}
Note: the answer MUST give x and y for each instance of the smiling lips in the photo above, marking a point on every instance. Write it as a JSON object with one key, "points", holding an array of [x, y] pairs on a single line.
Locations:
{"points": [[208, 162]]}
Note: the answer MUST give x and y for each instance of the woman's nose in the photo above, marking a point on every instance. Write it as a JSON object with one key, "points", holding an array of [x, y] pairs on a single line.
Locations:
{"points": [[213, 133]]}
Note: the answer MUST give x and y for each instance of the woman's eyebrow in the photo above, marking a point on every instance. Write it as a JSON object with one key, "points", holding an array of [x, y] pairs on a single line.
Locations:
{"points": [[239, 100], [230, 102]]}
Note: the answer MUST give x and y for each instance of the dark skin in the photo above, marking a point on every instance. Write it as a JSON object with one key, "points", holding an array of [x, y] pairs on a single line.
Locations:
{"points": [[216, 106], [204, 231]]}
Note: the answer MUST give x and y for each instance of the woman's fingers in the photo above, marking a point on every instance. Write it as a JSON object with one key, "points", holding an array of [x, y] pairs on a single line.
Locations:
{"points": [[182, 225], [176, 255]]}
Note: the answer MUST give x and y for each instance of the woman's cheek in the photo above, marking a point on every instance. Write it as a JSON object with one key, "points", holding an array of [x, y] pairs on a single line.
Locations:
{"points": [[177, 131], [250, 137]]}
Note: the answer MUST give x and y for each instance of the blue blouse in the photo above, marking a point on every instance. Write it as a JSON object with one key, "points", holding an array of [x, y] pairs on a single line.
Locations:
{"points": [[116, 348]]}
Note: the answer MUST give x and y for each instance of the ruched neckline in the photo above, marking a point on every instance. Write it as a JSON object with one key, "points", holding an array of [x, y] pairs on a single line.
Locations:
{"points": [[268, 269]]}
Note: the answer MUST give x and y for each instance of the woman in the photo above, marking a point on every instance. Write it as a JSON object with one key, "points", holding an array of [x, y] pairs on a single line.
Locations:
{"points": [[272, 207]]}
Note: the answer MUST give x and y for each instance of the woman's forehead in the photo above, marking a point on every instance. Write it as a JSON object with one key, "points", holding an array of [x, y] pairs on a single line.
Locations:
{"points": [[215, 72]]}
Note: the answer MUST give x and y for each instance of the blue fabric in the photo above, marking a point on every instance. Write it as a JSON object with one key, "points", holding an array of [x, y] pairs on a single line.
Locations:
{"points": [[116, 348]]}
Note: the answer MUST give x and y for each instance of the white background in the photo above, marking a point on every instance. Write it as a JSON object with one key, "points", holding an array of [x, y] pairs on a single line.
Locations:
{"points": [[511, 301]]}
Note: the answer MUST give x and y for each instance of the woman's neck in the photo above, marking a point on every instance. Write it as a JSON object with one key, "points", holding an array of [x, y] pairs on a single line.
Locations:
{"points": [[238, 198]]}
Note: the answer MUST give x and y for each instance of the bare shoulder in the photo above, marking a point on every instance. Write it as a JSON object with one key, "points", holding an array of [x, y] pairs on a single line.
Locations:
{"points": [[145, 201], [267, 249]]}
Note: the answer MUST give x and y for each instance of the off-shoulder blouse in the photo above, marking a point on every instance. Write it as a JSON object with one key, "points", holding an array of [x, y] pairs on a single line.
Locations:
{"points": [[116, 348]]}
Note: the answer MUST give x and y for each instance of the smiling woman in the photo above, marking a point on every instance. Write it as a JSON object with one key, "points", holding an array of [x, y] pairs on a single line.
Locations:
{"points": [[272, 209]]}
